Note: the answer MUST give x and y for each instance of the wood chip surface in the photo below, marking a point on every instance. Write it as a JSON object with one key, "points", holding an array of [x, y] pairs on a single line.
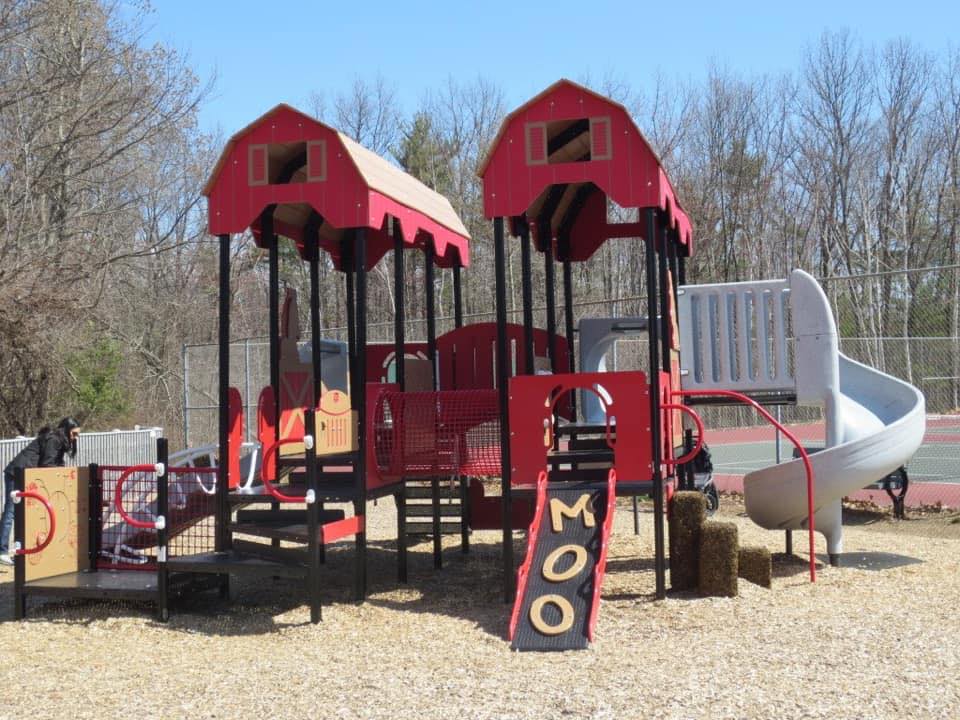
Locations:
{"points": [[879, 638]]}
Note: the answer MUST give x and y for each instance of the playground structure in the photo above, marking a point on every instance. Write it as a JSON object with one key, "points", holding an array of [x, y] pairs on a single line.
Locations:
{"points": [[483, 401]]}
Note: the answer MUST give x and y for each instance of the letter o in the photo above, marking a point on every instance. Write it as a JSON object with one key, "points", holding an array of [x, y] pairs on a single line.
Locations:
{"points": [[566, 613], [551, 560]]}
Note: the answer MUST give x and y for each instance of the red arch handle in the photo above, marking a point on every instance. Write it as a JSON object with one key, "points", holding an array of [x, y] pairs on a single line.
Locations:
{"points": [[268, 482], [15, 496], [118, 498], [700, 433]]}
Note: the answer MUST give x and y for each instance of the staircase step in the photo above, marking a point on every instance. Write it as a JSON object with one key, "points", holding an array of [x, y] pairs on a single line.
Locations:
{"points": [[426, 510], [237, 562], [422, 528]]}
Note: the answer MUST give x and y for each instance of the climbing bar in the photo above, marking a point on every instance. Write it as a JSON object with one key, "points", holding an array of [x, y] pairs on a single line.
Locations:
{"points": [[310, 497], [157, 524], [16, 496]]}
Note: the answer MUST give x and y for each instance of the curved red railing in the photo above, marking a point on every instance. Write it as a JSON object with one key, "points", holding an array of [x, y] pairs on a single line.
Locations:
{"points": [[16, 496], [118, 499], [532, 534], [808, 467], [268, 482], [700, 433]]}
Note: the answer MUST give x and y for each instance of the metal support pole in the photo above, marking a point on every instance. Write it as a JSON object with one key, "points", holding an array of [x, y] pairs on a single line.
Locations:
{"points": [[246, 388], [664, 299], [94, 516], [526, 280], [314, 544], [457, 298], [19, 540], [272, 242], [503, 374], [568, 324], [551, 286], [360, 403], [346, 260], [222, 534], [399, 351], [428, 263], [163, 510], [655, 420], [186, 397], [316, 341]]}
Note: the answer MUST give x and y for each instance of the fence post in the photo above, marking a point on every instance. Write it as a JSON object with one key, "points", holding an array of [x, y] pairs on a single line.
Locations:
{"points": [[186, 398]]}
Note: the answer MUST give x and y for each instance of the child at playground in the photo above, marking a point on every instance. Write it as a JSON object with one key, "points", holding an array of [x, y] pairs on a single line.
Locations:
{"points": [[47, 449]]}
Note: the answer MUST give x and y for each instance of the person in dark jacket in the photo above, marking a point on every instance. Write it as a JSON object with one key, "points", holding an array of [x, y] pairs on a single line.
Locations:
{"points": [[47, 449]]}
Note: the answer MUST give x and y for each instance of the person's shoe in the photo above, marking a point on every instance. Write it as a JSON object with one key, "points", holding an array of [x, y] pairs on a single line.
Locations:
{"points": [[5, 559]]}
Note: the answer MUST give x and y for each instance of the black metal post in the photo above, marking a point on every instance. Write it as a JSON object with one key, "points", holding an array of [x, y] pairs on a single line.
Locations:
{"points": [[503, 374], [526, 281], [400, 351], [550, 277], [163, 511], [429, 264], [19, 541], [457, 298], [347, 263], [665, 318], [314, 542], [568, 324], [272, 242], [222, 533], [94, 515], [655, 421], [315, 338], [360, 403]]}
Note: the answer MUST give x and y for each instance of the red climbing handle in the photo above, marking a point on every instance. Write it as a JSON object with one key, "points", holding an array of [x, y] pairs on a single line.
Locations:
{"points": [[157, 524], [700, 432], [16, 496], [268, 482]]}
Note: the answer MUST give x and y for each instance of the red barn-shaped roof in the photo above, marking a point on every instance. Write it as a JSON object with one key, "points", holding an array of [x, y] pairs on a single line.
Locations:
{"points": [[560, 156], [319, 179]]}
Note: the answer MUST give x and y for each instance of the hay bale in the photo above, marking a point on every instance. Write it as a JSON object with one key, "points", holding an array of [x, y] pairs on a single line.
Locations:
{"points": [[755, 565], [718, 559], [688, 510]]}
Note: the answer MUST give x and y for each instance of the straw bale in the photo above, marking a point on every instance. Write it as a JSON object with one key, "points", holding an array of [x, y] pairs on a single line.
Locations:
{"points": [[718, 559], [688, 511], [754, 565]]}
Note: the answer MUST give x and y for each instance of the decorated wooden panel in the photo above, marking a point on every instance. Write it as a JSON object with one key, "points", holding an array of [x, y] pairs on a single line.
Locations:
{"points": [[67, 491]]}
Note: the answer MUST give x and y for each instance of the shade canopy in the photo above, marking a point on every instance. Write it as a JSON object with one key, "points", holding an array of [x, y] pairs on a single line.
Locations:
{"points": [[561, 157], [320, 184]]}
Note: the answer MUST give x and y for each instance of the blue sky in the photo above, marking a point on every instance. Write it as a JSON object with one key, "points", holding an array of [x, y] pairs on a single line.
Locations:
{"points": [[270, 51]]}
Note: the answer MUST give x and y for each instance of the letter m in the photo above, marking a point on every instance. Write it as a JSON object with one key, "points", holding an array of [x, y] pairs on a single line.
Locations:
{"points": [[560, 510]]}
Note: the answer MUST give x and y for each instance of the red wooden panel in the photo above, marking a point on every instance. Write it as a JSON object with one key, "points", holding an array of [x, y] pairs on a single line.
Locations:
{"points": [[536, 143], [235, 424], [258, 165], [600, 138], [533, 398]]}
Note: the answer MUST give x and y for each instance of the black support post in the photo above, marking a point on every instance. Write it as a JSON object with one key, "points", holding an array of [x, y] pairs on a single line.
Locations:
{"points": [[272, 242], [163, 511], [399, 352], [664, 299], [503, 374], [429, 263], [526, 280], [457, 298], [314, 543], [94, 515], [359, 401], [347, 264], [653, 328], [222, 534], [19, 541], [568, 322], [551, 283], [315, 339]]}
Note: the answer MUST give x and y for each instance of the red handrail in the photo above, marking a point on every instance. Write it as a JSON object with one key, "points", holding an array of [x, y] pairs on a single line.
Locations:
{"points": [[157, 524], [808, 467], [268, 483], [700, 432], [16, 495], [532, 534]]}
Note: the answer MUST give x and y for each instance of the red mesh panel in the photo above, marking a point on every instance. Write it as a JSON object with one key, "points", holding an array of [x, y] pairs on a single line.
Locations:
{"points": [[429, 434], [190, 522]]}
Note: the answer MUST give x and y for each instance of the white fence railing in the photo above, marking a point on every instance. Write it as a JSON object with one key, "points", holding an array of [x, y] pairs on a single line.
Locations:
{"points": [[119, 447]]}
